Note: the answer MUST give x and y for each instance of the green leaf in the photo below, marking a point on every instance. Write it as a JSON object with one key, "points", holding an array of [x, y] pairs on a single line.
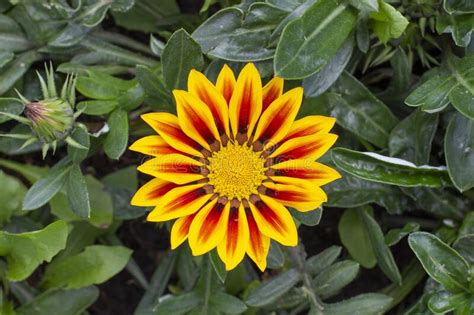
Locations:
{"points": [[97, 107], [53, 302], [365, 5], [11, 196], [310, 42], [154, 87], [367, 304], [309, 218], [158, 284], [46, 188], [458, 146], [101, 214], [16, 69], [464, 245], [275, 257], [235, 35], [81, 136], [271, 290], [95, 265], [384, 256], [24, 252], [444, 302], [459, 6], [319, 82], [101, 86], [411, 139], [378, 168], [116, 140], [78, 196], [218, 266], [355, 238], [122, 185], [180, 304], [441, 262], [324, 259], [132, 98], [450, 83], [387, 22], [359, 111], [395, 235], [11, 106], [334, 278], [227, 304], [351, 192], [180, 55], [459, 25], [440, 203]]}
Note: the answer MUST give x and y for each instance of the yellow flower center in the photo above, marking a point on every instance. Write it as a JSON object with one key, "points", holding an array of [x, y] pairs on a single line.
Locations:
{"points": [[236, 171]]}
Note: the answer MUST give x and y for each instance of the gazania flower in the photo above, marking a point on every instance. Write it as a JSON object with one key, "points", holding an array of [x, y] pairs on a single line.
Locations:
{"points": [[231, 162]]}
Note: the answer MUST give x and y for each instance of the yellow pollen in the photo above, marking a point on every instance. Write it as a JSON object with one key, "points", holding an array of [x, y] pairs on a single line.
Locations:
{"points": [[236, 171]]}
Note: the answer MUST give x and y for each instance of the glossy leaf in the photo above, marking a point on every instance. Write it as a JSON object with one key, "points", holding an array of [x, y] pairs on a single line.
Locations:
{"points": [[334, 278], [94, 265], [10, 106], [308, 43], [458, 147], [351, 191], [24, 252], [180, 304], [81, 136], [271, 290], [77, 193], [367, 304], [458, 6], [355, 237], [309, 218], [53, 302], [226, 303], [459, 25], [359, 111], [411, 139], [464, 245], [440, 203], [441, 262], [322, 260], [384, 256], [116, 140], [155, 90], [319, 82], [235, 35], [43, 190], [396, 235], [180, 55], [378, 168]]}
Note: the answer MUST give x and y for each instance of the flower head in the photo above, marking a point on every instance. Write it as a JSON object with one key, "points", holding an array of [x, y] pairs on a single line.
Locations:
{"points": [[231, 162]]}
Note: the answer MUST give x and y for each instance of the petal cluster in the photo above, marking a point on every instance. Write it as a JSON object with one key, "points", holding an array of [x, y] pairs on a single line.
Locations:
{"points": [[230, 163]]}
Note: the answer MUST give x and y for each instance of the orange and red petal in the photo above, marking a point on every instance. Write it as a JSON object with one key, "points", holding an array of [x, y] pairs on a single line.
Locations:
{"points": [[179, 202], [209, 227], [246, 103], [277, 119], [234, 245], [302, 198], [226, 82], [307, 147], [153, 145], [271, 91], [180, 230], [150, 193], [259, 244], [310, 125], [167, 126], [195, 119], [303, 173], [274, 220], [176, 168], [201, 87]]}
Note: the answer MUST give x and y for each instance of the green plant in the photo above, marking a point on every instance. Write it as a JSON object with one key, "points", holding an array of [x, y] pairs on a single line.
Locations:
{"points": [[396, 233]]}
